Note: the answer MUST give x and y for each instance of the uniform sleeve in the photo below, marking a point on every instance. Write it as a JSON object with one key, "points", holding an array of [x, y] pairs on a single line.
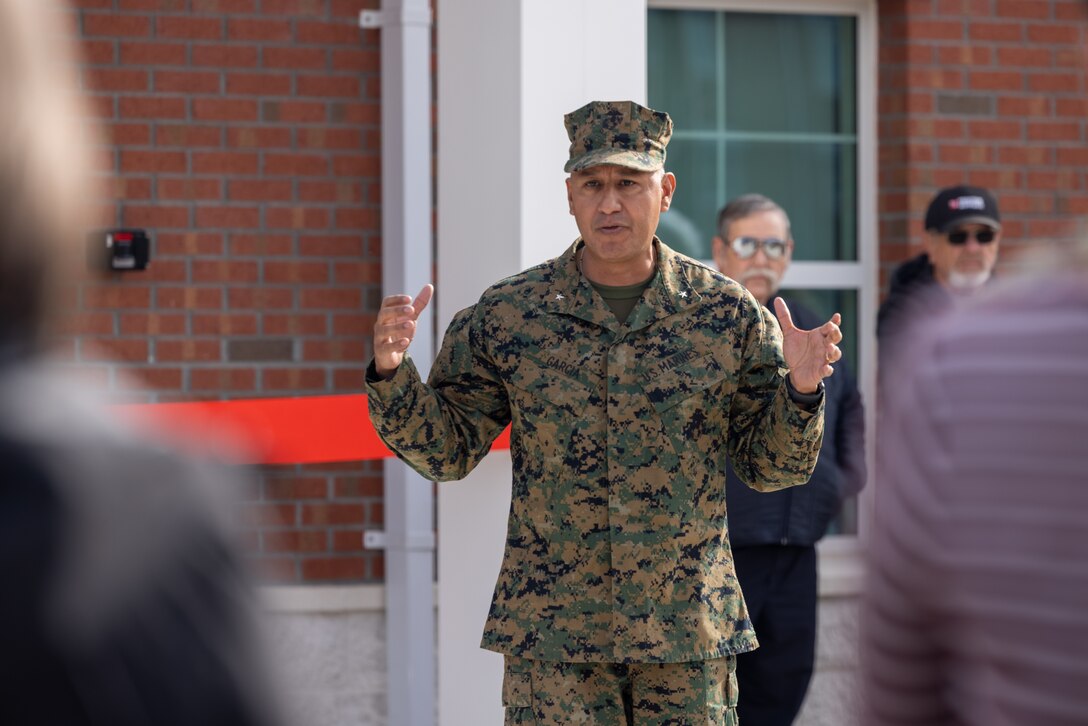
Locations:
{"points": [[773, 442], [442, 429]]}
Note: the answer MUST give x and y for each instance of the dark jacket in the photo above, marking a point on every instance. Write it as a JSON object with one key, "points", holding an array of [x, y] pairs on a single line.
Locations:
{"points": [[912, 289], [124, 600], [800, 515], [914, 297]]}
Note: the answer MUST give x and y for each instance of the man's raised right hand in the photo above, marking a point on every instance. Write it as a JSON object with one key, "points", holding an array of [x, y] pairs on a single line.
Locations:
{"points": [[395, 328]]}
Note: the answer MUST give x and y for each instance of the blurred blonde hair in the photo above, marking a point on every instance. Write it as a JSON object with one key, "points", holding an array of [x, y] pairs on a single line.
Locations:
{"points": [[46, 196]]}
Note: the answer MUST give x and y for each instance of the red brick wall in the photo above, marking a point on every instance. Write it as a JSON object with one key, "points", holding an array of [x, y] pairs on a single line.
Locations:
{"points": [[244, 135], [988, 92]]}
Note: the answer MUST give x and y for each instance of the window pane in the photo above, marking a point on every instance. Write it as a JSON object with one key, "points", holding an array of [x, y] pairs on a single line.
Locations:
{"points": [[688, 226], [826, 303], [767, 103], [846, 521], [761, 103], [790, 73], [687, 41], [816, 183]]}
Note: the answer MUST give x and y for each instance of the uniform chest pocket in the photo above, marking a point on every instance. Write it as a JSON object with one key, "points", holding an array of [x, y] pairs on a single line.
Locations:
{"points": [[548, 385], [674, 385]]}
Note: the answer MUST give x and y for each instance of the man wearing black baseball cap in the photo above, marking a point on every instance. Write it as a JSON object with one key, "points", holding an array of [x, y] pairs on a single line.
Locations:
{"points": [[963, 230]]}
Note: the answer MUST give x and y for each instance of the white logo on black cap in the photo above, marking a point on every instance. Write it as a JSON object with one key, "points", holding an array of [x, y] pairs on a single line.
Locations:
{"points": [[967, 203]]}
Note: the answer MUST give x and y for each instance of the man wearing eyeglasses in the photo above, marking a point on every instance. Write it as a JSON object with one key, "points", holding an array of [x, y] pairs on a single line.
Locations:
{"points": [[773, 534], [963, 231]]}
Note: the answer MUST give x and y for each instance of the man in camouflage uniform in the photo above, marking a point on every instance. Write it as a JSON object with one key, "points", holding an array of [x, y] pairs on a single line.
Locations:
{"points": [[629, 374]]}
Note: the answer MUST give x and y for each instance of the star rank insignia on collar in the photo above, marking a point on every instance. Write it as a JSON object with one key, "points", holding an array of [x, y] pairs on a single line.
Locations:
{"points": [[683, 293], [559, 296]]}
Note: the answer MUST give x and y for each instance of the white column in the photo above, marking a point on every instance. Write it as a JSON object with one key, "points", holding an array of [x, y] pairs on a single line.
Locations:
{"points": [[507, 72]]}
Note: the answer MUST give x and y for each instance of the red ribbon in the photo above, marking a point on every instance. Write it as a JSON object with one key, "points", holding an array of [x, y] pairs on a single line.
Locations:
{"points": [[303, 430]]}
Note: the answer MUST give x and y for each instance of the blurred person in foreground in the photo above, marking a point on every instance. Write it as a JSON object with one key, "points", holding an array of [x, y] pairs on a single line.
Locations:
{"points": [[122, 600], [627, 372], [962, 238], [773, 535], [974, 612]]}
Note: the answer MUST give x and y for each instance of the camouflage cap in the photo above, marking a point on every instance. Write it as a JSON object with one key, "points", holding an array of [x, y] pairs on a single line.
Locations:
{"points": [[617, 132]]}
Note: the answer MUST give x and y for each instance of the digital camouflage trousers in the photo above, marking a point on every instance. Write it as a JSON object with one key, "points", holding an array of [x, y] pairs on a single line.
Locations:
{"points": [[696, 693]]}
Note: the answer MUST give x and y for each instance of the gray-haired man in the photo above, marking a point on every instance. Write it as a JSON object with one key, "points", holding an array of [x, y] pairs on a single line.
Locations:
{"points": [[774, 534]]}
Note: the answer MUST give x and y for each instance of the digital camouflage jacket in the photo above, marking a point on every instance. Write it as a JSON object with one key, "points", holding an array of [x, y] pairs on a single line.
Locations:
{"points": [[617, 548]]}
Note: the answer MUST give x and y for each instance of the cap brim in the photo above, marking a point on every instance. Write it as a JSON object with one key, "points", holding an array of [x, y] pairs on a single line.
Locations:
{"points": [[638, 160], [971, 219]]}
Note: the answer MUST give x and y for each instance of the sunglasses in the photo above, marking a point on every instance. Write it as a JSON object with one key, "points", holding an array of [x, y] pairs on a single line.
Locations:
{"points": [[960, 236], [773, 247]]}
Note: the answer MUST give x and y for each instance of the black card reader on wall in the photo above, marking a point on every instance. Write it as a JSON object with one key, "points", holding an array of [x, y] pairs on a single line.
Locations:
{"points": [[119, 250]]}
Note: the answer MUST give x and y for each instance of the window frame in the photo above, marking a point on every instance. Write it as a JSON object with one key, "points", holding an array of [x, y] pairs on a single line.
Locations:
{"points": [[840, 564]]}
